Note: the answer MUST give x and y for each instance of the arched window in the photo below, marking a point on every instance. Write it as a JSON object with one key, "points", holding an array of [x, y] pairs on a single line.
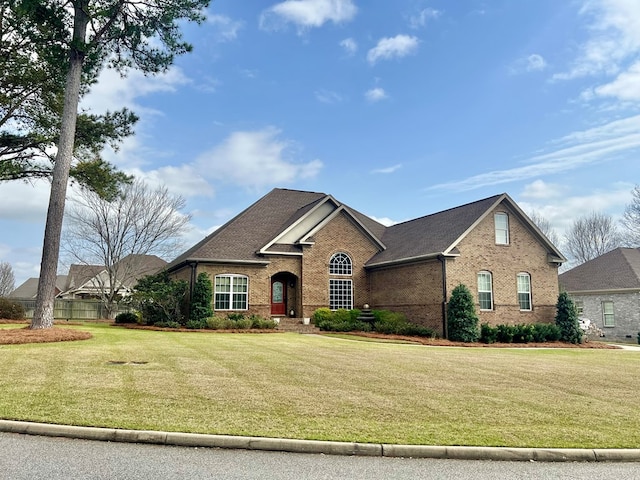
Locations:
{"points": [[340, 264], [485, 290], [340, 289], [524, 291]]}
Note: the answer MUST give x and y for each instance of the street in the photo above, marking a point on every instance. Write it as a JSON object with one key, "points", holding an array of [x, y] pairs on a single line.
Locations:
{"points": [[32, 457]]}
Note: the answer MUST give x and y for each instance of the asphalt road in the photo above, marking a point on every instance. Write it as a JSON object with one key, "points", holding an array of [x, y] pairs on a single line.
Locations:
{"points": [[33, 458]]}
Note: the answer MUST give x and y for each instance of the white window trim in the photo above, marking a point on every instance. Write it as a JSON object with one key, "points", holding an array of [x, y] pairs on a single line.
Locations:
{"points": [[343, 255], [232, 277], [528, 277], [612, 314], [485, 272], [346, 281], [505, 230]]}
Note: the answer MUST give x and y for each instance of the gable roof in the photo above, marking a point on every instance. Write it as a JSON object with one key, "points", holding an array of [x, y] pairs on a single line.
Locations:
{"points": [[618, 269], [258, 230], [284, 220], [29, 288]]}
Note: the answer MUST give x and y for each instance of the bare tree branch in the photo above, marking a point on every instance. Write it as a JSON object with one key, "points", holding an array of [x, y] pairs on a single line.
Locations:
{"points": [[591, 236]]}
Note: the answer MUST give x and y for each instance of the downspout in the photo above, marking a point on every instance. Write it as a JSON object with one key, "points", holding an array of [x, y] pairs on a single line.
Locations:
{"points": [[443, 261]]}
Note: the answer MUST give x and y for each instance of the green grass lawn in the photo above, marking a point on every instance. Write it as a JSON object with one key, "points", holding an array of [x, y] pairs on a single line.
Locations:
{"points": [[313, 387]]}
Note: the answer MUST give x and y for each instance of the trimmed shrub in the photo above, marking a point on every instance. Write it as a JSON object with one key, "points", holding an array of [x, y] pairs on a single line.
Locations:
{"points": [[126, 317], [462, 321], [567, 319], [219, 323], [546, 332], [200, 308], [10, 310], [262, 323], [488, 334], [196, 324], [161, 299]]}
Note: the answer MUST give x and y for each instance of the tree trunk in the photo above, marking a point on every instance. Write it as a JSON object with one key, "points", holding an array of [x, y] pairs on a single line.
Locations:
{"points": [[43, 313]]}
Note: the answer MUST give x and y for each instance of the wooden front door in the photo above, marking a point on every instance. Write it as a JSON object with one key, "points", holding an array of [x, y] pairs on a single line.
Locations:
{"points": [[278, 298]]}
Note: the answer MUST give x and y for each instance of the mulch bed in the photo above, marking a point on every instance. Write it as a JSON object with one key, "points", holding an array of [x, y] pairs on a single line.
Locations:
{"points": [[57, 334]]}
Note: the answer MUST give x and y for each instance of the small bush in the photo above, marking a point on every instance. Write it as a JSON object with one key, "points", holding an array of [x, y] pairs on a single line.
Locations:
{"points": [[505, 334], [196, 324], [488, 334], [243, 323], [262, 323], [638, 338], [127, 317], [11, 310], [219, 323], [546, 332], [168, 324]]}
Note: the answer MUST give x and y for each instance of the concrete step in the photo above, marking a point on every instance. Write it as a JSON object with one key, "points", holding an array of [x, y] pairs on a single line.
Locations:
{"points": [[287, 324]]}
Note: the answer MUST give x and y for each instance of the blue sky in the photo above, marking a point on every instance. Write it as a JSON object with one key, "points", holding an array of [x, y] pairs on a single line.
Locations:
{"points": [[398, 109]]}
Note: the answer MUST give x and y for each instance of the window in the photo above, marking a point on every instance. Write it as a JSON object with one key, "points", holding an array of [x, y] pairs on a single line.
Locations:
{"points": [[579, 307], [608, 319], [340, 294], [340, 264], [524, 291], [231, 292], [485, 291], [501, 221]]}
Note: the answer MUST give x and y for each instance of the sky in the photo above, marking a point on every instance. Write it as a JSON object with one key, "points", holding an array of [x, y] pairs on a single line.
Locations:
{"points": [[398, 109]]}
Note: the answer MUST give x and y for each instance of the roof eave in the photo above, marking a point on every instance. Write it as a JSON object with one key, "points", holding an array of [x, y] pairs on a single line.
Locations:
{"points": [[402, 261]]}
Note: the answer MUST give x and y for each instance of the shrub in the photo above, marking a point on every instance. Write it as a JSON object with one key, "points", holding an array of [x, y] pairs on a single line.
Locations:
{"points": [[262, 323], [127, 317], [462, 319], [168, 324], [243, 323], [196, 324], [488, 334], [11, 310], [160, 299], [219, 323], [505, 334], [200, 308], [546, 332], [567, 320], [341, 320]]}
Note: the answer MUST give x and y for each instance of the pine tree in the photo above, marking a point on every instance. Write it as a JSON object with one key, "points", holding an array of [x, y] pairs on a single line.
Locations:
{"points": [[567, 319]]}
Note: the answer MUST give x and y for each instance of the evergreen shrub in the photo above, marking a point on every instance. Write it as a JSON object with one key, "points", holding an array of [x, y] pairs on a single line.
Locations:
{"points": [[10, 310], [462, 321], [567, 319]]}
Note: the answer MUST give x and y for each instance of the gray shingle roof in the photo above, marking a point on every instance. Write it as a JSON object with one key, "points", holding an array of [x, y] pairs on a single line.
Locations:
{"points": [[240, 239], [432, 234], [617, 269]]}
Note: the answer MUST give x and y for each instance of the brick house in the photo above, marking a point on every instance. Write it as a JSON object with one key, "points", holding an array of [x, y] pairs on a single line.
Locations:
{"points": [[606, 290], [293, 251]]}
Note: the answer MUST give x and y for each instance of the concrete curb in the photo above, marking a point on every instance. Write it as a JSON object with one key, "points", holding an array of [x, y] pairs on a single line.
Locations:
{"points": [[323, 447]]}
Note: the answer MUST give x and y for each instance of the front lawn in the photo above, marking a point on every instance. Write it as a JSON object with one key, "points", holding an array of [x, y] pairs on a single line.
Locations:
{"points": [[318, 387]]}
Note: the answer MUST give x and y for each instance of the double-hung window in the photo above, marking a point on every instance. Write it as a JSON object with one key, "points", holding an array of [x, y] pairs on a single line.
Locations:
{"points": [[501, 222], [485, 291], [231, 292], [608, 319], [524, 291]]}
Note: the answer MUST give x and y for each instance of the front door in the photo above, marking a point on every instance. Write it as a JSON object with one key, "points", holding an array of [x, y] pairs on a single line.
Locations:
{"points": [[278, 298]]}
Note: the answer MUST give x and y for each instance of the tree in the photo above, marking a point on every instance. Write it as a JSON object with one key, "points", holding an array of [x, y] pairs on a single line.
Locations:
{"points": [[120, 34], [161, 300], [32, 72], [631, 220], [201, 301], [567, 319], [591, 236], [462, 321], [545, 227], [117, 234], [7, 279]]}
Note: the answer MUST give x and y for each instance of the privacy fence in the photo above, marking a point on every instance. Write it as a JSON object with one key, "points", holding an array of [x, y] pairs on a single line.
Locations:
{"points": [[67, 309]]}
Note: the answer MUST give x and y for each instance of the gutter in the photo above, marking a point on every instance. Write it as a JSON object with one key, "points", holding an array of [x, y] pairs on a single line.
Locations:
{"points": [[445, 320]]}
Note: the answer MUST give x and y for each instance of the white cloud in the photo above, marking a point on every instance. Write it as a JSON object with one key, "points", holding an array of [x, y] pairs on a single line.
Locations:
{"points": [[327, 96], [112, 92], [540, 190], [614, 26], [184, 180], [23, 201], [227, 27], [626, 87], [255, 159], [421, 18], [393, 47], [531, 63], [386, 221], [307, 14], [387, 169], [581, 148], [375, 94], [349, 45]]}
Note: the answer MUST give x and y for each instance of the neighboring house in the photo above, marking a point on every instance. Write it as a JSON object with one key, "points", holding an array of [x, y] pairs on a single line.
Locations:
{"points": [[29, 289], [89, 281], [606, 290], [293, 252]]}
